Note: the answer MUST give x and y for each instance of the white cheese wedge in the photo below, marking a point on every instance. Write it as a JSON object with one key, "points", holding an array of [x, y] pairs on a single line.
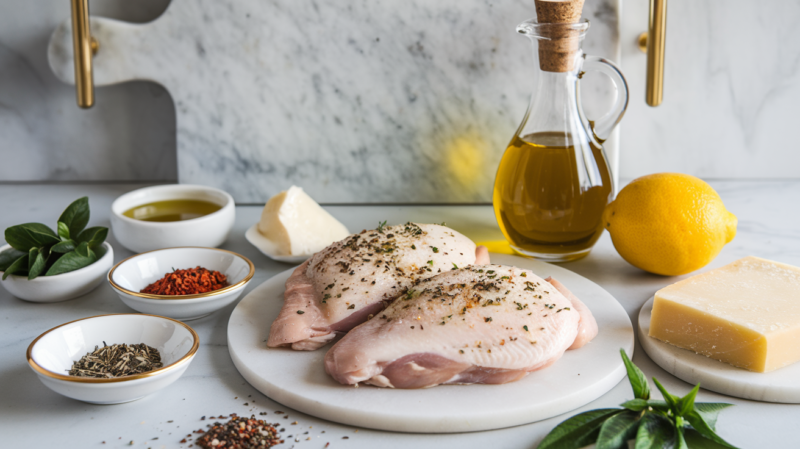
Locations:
{"points": [[746, 314], [297, 225]]}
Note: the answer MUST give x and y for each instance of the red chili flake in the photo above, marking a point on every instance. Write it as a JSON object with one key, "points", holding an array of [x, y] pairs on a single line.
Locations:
{"points": [[242, 433], [187, 282]]}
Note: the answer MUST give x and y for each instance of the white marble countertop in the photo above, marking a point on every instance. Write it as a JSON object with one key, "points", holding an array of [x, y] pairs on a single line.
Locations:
{"points": [[33, 416]]}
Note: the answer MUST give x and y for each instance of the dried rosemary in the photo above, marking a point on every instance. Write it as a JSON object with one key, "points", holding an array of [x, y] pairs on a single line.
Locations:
{"points": [[117, 360]]}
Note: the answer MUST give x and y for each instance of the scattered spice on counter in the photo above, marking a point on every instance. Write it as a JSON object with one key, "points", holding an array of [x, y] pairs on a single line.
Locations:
{"points": [[240, 433], [117, 360], [187, 282]]}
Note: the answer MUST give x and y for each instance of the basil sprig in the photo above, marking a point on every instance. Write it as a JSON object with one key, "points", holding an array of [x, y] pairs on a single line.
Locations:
{"points": [[675, 422], [38, 250]]}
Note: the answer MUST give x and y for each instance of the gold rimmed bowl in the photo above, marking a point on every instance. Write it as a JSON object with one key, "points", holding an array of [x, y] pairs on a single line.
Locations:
{"points": [[129, 277], [52, 354]]}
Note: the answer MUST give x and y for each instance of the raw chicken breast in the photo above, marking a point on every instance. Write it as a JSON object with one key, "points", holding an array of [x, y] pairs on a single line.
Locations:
{"points": [[483, 324], [345, 283]]}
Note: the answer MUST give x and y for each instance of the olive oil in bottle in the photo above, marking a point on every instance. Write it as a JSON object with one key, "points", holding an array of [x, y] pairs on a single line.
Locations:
{"points": [[172, 210], [550, 193]]}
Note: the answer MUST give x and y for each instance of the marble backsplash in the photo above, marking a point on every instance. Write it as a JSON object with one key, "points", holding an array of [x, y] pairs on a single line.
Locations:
{"points": [[729, 104]]}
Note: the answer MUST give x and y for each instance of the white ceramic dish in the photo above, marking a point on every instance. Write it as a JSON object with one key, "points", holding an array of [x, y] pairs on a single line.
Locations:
{"points": [[133, 274], [268, 248], [139, 236], [63, 286], [298, 380], [777, 386], [52, 354]]}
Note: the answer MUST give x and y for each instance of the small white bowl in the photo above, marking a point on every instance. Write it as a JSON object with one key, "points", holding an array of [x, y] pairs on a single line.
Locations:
{"points": [[139, 236], [60, 287], [269, 249], [135, 273], [52, 354]]}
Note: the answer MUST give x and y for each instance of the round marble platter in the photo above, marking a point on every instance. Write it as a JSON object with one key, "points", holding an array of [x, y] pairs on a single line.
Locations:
{"points": [[777, 386], [298, 380]]}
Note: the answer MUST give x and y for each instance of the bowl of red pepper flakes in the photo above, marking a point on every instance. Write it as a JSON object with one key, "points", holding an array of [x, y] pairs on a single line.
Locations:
{"points": [[184, 283]]}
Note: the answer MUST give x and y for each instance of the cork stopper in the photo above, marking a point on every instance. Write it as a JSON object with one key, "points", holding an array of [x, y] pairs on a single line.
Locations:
{"points": [[557, 52]]}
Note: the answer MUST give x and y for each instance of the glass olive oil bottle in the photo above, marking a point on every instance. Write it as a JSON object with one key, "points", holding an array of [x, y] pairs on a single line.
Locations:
{"points": [[172, 210]]}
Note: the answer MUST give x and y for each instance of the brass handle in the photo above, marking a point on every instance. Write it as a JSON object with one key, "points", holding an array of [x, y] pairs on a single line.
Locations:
{"points": [[654, 41], [84, 47]]}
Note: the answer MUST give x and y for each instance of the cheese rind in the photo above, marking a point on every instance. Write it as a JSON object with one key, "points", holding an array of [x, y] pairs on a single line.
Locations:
{"points": [[297, 225], [746, 313]]}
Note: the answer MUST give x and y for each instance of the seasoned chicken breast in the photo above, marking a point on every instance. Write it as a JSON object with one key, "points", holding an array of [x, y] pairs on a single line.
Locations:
{"points": [[342, 285], [482, 324]]}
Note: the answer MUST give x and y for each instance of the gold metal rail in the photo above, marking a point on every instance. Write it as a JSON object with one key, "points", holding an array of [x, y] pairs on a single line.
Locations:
{"points": [[84, 47], [654, 42]]}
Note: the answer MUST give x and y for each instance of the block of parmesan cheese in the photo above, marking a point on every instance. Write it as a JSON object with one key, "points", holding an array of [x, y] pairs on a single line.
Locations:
{"points": [[746, 314], [297, 225]]}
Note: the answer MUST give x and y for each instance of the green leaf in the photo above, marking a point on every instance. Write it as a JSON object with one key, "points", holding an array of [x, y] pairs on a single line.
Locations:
{"points": [[39, 262], [686, 403], [658, 404], [8, 257], [637, 405], [578, 431], [63, 247], [671, 400], [81, 257], [641, 390], [617, 430], [76, 215], [697, 441], [709, 411], [63, 231], [30, 235], [32, 257], [702, 426], [16, 267], [93, 236], [681, 442], [655, 432]]}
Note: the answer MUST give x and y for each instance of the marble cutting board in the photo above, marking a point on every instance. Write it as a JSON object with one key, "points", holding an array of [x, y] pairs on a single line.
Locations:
{"points": [[381, 101]]}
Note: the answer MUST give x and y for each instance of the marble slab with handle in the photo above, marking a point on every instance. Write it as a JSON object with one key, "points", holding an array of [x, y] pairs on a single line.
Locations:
{"points": [[381, 101]]}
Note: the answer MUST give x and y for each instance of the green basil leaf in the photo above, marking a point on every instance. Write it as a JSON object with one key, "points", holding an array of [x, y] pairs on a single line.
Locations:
{"points": [[63, 231], [671, 400], [617, 430], [74, 260], [686, 403], [637, 405], [63, 247], [17, 267], [32, 257], [658, 404], [76, 215], [93, 236], [8, 257], [578, 431], [655, 432], [702, 426], [709, 411], [697, 441], [36, 268], [30, 235], [641, 389], [681, 442]]}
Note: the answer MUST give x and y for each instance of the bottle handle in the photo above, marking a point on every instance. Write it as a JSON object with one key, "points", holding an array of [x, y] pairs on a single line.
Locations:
{"points": [[603, 126]]}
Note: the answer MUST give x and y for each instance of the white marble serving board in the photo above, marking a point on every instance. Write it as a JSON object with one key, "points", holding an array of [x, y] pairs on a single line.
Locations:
{"points": [[298, 380], [378, 101], [781, 385]]}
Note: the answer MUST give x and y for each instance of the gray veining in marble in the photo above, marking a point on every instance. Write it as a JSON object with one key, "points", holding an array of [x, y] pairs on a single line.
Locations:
{"points": [[211, 385], [355, 101]]}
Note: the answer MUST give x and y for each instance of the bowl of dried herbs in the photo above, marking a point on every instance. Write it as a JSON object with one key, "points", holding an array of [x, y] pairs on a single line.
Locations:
{"points": [[40, 264], [110, 359]]}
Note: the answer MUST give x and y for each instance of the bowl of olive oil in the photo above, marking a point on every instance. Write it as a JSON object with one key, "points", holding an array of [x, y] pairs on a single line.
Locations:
{"points": [[172, 215]]}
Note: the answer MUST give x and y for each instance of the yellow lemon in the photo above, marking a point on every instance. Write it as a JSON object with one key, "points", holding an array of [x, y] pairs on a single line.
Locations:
{"points": [[669, 223]]}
